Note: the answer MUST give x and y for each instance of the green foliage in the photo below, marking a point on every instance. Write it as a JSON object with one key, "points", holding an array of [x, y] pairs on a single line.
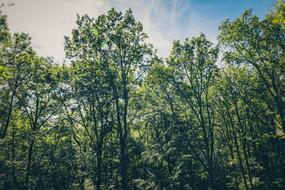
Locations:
{"points": [[119, 117], [279, 13]]}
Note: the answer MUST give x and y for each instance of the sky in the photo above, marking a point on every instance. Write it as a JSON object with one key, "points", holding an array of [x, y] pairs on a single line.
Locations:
{"points": [[48, 21]]}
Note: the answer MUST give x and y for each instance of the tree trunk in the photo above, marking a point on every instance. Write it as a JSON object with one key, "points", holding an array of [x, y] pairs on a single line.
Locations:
{"points": [[124, 138], [123, 163], [9, 114], [99, 166], [243, 143], [281, 113], [13, 158], [29, 163]]}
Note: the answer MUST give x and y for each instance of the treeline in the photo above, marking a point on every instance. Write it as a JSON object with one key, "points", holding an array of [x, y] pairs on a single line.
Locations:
{"points": [[119, 117]]}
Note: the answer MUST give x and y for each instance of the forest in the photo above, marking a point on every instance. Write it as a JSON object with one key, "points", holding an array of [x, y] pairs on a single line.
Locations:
{"points": [[118, 116]]}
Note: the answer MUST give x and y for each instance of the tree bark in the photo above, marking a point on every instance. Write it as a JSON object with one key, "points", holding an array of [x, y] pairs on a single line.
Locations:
{"points": [[29, 163], [99, 166], [9, 114]]}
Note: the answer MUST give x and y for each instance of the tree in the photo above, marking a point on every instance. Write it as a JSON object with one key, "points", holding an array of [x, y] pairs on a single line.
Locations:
{"points": [[117, 42], [39, 101], [16, 68], [194, 69], [259, 44]]}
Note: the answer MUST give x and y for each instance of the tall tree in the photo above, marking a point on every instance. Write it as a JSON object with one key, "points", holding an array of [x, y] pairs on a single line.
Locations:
{"points": [[40, 100], [16, 68], [194, 70], [117, 41], [259, 44]]}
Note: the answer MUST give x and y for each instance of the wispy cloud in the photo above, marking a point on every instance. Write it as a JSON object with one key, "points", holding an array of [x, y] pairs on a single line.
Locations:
{"points": [[163, 20]]}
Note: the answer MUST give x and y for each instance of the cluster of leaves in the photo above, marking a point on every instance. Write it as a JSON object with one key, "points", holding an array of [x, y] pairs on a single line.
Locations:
{"points": [[119, 117]]}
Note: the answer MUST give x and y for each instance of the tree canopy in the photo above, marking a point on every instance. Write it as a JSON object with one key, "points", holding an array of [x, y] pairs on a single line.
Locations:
{"points": [[117, 116]]}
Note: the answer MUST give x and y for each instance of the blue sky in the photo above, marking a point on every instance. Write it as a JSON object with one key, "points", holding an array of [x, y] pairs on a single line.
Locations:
{"points": [[48, 21]]}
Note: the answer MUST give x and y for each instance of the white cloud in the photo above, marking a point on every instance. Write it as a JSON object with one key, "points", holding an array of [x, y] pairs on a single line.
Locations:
{"points": [[47, 21]]}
